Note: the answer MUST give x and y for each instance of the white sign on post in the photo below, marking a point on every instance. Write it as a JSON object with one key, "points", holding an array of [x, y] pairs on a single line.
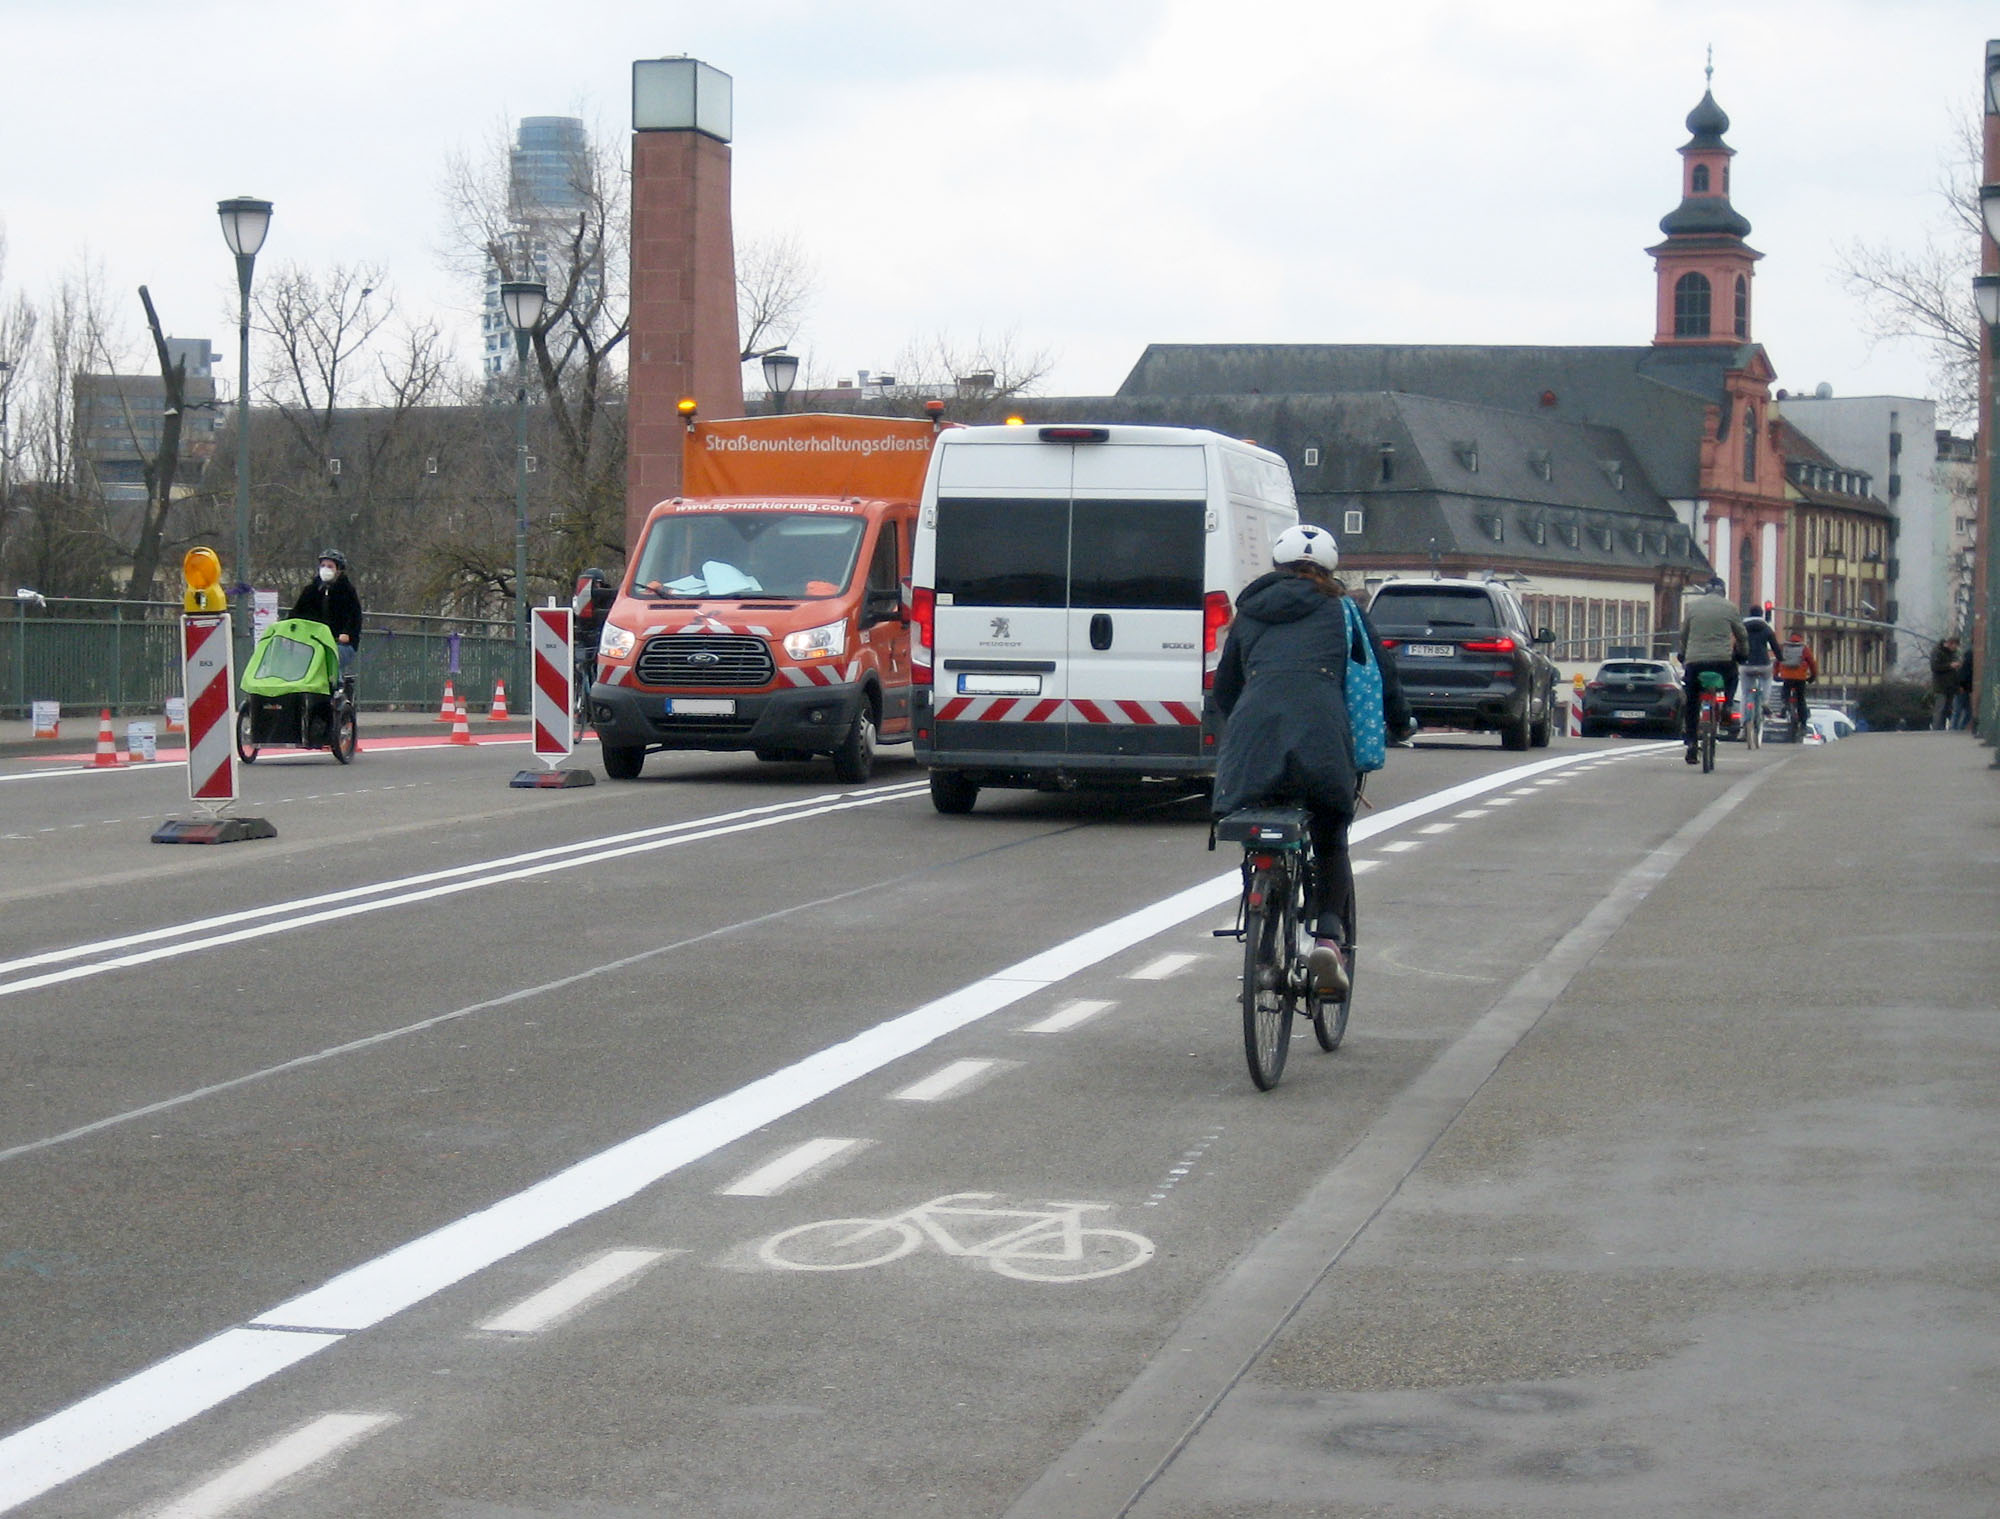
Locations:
{"points": [[48, 718], [142, 741], [263, 611]]}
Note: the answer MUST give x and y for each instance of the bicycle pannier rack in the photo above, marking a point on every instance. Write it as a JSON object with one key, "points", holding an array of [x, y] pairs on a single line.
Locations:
{"points": [[1275, 827]]}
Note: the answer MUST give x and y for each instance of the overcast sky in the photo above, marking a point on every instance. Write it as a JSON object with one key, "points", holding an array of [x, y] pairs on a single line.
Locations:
{"points": [[1088, 177]]}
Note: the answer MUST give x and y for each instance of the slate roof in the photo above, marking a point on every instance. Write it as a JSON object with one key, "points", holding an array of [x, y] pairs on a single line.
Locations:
{"points": [[1480, 483], [1656, 397], [1795, 447]]}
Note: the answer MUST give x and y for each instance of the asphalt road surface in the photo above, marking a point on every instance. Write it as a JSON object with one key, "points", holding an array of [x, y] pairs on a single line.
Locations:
{"points": [[730, 1142]]}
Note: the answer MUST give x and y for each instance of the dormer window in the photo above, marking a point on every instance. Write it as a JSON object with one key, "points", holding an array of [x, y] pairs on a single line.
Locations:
{"points": [[1542, 463], [1700, 183], [1468, 455]]}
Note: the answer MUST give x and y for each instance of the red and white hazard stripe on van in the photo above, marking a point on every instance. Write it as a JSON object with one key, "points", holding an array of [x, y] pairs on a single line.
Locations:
{"points": [[1029, 709]]}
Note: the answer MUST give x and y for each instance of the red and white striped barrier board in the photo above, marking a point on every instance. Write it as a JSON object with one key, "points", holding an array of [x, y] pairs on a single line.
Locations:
{"points": [[555, 674], [1029, 709], [209, 671]]}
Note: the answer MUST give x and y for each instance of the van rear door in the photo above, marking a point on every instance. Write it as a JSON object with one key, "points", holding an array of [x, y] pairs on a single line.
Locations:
{"points": [[1001, 577], [1138, 531]]}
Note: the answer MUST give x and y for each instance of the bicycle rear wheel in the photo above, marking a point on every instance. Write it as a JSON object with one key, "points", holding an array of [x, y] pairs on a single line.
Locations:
{"points": [[1705, 736], [1329, 1014], [1268, 932]]}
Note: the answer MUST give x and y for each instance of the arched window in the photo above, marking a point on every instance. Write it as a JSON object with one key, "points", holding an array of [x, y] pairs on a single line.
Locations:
{"points": [[1700, 181], [1749, 443], [1691, 306], [1742, 306]]}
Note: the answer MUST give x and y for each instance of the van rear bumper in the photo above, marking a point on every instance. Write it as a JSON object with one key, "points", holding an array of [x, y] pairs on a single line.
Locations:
{"points": [[809, 719], [1057, 754]]}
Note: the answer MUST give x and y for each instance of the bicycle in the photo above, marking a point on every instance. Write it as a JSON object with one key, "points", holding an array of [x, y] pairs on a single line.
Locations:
{"points": [[1711, 718], [583, 674], [1049, 1244], [1279, 868]]}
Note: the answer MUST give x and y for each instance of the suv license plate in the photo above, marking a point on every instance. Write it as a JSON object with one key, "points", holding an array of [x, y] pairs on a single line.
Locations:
{"points": [[1627, 716], [1428, 650], [701, 706]]}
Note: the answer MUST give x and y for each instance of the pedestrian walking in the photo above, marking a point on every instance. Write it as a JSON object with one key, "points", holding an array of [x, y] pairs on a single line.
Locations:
{"points": [[1944, 682]]}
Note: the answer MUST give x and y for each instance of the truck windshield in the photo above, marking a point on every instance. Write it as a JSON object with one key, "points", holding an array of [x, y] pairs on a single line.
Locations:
{"points": [[725, 555]]}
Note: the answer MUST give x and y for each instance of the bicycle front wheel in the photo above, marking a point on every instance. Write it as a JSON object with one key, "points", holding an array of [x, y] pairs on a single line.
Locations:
{"points": [[1099, 1252], [1267, 998]]}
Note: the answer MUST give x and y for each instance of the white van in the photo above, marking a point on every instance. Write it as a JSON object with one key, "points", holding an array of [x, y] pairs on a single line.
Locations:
{"points": [[1071, 589]]}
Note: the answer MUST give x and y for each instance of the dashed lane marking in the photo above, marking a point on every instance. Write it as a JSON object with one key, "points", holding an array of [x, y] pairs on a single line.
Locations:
{"points": [[586, 1286], [277, 1462], [1068, 1016], [1438, 828], [1400, 846], [947, 1081], [1165, 966], [794, 1165]]}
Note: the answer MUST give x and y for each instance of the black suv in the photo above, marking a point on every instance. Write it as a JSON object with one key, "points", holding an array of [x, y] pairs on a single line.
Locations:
{"points": [[1467, 659]]}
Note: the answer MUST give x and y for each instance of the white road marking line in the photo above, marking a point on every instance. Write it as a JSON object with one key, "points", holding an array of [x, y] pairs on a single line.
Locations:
{"points": [[1400, 846], [1160, 969], [1522, 791], [1556, 782], [774, 1176], [164, 1396], [1362, 867], [277, 1462], [1501, 801], [1438, 828], [1068, 1016], [590, 1283], [946, 1081], [1471, 812], [542, 863]]}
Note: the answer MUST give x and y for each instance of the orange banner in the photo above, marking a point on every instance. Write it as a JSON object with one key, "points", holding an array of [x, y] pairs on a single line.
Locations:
{"points": [[811, 454]]}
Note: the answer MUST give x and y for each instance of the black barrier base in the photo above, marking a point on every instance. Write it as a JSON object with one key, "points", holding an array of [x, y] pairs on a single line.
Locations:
{"points": [[552, 780], [213, 830]]}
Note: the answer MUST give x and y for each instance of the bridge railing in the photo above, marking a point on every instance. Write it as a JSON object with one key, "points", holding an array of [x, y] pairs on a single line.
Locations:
{"points": [[86, 654]]}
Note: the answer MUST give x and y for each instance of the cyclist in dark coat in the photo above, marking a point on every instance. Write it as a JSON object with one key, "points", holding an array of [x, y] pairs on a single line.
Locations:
{"points": [[330, 598], [1282, 685]]}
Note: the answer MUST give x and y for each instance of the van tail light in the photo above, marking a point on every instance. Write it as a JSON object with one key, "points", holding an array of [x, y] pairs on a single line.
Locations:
{"points": [[1488, 646], [1214, 623], [923, 631]]}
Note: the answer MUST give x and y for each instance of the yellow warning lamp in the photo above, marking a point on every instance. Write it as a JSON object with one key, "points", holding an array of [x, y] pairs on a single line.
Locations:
{"points": [[1016, 422], [203, 573], [685, 406]]}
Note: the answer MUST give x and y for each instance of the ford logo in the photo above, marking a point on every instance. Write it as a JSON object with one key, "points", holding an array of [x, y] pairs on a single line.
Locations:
{"points": [[704, 658]]}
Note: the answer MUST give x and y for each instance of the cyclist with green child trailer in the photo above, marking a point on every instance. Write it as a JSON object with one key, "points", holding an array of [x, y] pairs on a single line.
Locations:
{"points": [[1712, 638]]}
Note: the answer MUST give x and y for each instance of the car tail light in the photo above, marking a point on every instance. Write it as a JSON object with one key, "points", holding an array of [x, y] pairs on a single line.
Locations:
{"points": [[1595, 685], [1390, 644], [1214, 621], [923, 629], [1488, 646]]}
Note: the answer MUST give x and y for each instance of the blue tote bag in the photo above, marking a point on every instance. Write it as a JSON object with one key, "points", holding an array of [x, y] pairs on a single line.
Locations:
{"points": [[1365, 719]]}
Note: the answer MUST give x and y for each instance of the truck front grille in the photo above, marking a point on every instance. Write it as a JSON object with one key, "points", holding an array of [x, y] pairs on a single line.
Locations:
{"points": [[704, 659]]}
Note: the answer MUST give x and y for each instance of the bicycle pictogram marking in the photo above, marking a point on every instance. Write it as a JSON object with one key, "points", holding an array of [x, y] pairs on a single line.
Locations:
{"points": [[1048, 1242]]}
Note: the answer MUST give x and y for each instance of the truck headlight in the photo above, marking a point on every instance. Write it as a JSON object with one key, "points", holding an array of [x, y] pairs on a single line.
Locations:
{"points": [[828, 642], [616, 642]]}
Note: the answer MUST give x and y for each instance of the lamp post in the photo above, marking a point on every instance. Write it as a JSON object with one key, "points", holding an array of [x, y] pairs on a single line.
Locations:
{"points": [[781, 370], [244, 222], [1986, 291], [522, 300]]}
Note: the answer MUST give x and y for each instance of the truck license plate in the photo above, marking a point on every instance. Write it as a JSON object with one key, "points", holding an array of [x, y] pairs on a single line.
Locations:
{"points": [[1428, 650], [701, 706]]}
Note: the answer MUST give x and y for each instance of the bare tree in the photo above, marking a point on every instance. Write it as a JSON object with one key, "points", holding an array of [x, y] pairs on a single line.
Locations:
{"points": [[1926, 295], [575, 238], [980, 376], [776, 281]]}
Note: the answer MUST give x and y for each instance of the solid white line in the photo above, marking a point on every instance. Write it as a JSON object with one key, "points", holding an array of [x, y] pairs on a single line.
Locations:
{"points": [[591, 1282], [771, 1178], [1067, 1017], [128, 1413], [429, 893], [133, 1411], [946, 1081], [401, 883], [1160, 969], [277, 1462]]}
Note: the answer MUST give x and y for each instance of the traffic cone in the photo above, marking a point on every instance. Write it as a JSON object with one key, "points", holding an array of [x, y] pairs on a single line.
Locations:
{"points": [[461, 732], [107, 745], [450, 703], [498, 714]]}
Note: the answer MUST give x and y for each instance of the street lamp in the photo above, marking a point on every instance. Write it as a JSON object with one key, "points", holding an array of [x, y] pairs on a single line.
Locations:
{"points": [[781, 370], [244, 222], [522, 300]]}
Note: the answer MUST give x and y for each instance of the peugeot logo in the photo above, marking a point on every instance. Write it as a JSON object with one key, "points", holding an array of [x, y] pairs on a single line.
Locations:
{"points": [[705, 657]]}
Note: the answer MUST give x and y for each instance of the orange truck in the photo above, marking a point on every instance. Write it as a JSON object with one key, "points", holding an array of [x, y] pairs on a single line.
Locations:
{"points": [[768, 608]]}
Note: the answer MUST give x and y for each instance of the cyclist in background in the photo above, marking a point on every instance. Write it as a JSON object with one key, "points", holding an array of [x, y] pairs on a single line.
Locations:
{"points": [[1282, 684], [1758, 664], [588, 609], [331, 600], [1712, 638], [1796, 669]]}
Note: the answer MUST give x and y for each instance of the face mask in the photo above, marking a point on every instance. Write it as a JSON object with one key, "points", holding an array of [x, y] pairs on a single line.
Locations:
{"points": [[327, 572]]}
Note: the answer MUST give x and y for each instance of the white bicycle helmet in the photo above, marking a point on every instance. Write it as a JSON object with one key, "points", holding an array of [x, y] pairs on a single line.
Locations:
{"points": [[1307, 544]]}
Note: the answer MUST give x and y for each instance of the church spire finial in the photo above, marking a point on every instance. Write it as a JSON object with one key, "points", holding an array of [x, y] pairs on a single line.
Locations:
{"points": [[1708, 74]]}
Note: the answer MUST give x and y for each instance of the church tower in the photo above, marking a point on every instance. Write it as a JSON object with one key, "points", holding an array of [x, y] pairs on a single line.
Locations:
{"points": [[1704, 268]]}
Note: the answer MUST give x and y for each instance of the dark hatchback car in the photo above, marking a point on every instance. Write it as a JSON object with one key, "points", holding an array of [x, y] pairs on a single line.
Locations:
{"points": [[1633, 696], [1467, 658]]}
